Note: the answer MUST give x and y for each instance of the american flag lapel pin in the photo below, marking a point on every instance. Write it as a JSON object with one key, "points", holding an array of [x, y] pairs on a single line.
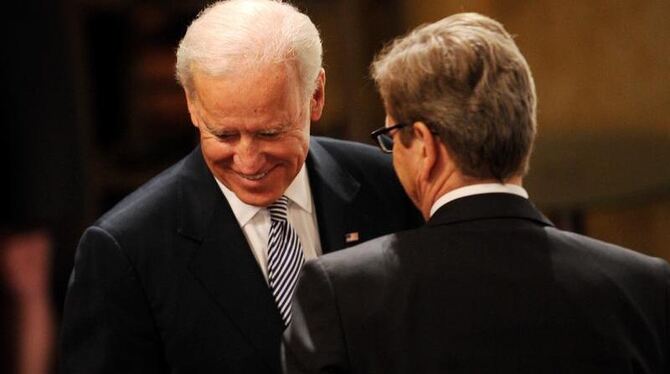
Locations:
{"points": [[351, 237]]}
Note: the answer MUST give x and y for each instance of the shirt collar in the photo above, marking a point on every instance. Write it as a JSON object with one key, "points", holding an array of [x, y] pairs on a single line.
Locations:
{"points": [[477, 189], [298, 192]]}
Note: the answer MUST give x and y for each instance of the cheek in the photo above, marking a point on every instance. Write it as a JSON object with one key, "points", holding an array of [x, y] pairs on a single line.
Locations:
{"points": [[396, 163], [293, 150], [291, 161], [215, 151], [398, 167], [404, 168]]}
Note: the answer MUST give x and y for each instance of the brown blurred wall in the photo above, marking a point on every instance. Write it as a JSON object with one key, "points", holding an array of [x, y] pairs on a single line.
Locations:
{"points": [[598, 63]]}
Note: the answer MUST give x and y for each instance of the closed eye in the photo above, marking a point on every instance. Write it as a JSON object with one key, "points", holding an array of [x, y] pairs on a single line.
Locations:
{"points": [[268, 134], [226, 136]]}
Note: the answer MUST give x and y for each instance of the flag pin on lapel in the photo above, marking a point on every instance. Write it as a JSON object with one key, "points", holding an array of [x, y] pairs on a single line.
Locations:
{"points": [[351, 237]]}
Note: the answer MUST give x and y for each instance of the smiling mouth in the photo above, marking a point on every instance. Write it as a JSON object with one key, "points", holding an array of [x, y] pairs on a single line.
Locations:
{"points": [[254, 177]]}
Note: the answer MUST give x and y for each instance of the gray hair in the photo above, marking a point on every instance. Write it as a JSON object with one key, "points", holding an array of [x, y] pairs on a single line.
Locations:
{"points": [[465, 78], [237, 35]]}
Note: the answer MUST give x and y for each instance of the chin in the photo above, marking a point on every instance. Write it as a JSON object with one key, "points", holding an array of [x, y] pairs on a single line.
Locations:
{"points": [[257, 199], [261, 192]]}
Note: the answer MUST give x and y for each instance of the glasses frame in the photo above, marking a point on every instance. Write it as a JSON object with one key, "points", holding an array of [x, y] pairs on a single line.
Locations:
{"points": [[383, 139]]}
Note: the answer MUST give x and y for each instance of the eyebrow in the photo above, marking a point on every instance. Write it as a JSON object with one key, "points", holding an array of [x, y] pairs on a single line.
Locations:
{"points": [[279, 127]]}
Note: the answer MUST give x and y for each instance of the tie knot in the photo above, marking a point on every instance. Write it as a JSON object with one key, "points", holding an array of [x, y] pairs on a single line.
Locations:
{"points": [[279, 209]]}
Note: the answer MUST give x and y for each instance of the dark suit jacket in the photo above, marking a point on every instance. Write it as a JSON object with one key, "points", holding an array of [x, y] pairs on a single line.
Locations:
{"points": [[487, 286], [166, 282]]}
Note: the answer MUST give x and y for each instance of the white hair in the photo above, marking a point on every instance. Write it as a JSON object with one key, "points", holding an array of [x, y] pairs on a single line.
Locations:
{"points": [[235, 35]]}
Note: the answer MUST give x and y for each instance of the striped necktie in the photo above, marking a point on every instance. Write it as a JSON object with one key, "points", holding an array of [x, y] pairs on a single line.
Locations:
{"points": [[285, 257]]}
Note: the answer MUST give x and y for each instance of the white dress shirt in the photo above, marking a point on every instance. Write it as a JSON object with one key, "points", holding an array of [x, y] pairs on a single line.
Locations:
{"points": [[255, 221], [477, 189]]}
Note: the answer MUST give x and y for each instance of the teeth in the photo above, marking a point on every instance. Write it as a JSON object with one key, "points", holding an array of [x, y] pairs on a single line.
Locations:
{"points": [[253, 177]]}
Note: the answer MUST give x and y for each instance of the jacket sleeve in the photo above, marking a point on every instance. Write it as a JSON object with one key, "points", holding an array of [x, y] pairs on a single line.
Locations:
{"points": [[107, 323], [314, 341]]}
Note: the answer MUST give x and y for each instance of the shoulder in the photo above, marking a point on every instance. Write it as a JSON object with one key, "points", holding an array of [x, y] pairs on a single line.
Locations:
{"points": [[380, 257], [354, 153], [143, 228], [367, 164], [613, 259], [366, 278], [156, 198]]}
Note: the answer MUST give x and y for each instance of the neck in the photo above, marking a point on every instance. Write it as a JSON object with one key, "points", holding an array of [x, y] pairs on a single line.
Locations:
{"points": [[449, 181]]}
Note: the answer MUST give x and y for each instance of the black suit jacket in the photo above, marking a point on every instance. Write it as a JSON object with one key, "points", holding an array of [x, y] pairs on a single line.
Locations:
{"points": [[166, 282], [487, 286]]}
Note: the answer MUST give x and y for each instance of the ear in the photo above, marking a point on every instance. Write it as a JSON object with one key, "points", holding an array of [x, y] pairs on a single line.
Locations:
{"points": [[429, 152], [191, 102], [318, 97]]}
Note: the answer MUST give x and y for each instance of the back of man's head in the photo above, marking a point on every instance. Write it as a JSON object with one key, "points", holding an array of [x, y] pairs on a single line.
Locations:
{"points": [[234, 36], [465, 77]]}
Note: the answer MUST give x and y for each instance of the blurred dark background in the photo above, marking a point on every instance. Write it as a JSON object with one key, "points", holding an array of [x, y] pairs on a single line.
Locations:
{"points": [[92, 111]]}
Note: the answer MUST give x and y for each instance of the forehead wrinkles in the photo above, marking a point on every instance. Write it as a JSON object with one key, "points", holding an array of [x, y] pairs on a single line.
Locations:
{"points": [[283, 120], [263, 96]]}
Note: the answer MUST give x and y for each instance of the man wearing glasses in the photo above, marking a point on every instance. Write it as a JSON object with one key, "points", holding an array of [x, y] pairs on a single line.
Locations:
{"points": [[488, 285]]}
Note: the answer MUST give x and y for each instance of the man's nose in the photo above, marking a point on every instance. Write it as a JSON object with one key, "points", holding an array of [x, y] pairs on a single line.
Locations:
{"points": [[249, 156]]}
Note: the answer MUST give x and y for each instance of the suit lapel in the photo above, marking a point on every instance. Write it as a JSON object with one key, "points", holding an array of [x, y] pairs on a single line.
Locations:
{"points": [[488, 206], [333, 192], [223, 262]]}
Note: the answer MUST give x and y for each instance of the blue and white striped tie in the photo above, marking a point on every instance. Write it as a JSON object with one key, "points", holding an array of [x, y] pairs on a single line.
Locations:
{"points": [[285, 257]]}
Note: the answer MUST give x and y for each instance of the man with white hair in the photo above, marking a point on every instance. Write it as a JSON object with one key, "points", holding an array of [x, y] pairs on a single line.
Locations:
{"points": [[488, 285], [194, 272]]}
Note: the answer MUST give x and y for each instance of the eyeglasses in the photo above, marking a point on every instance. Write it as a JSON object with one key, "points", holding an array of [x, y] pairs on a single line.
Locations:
{"points": [[383, 139]]}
